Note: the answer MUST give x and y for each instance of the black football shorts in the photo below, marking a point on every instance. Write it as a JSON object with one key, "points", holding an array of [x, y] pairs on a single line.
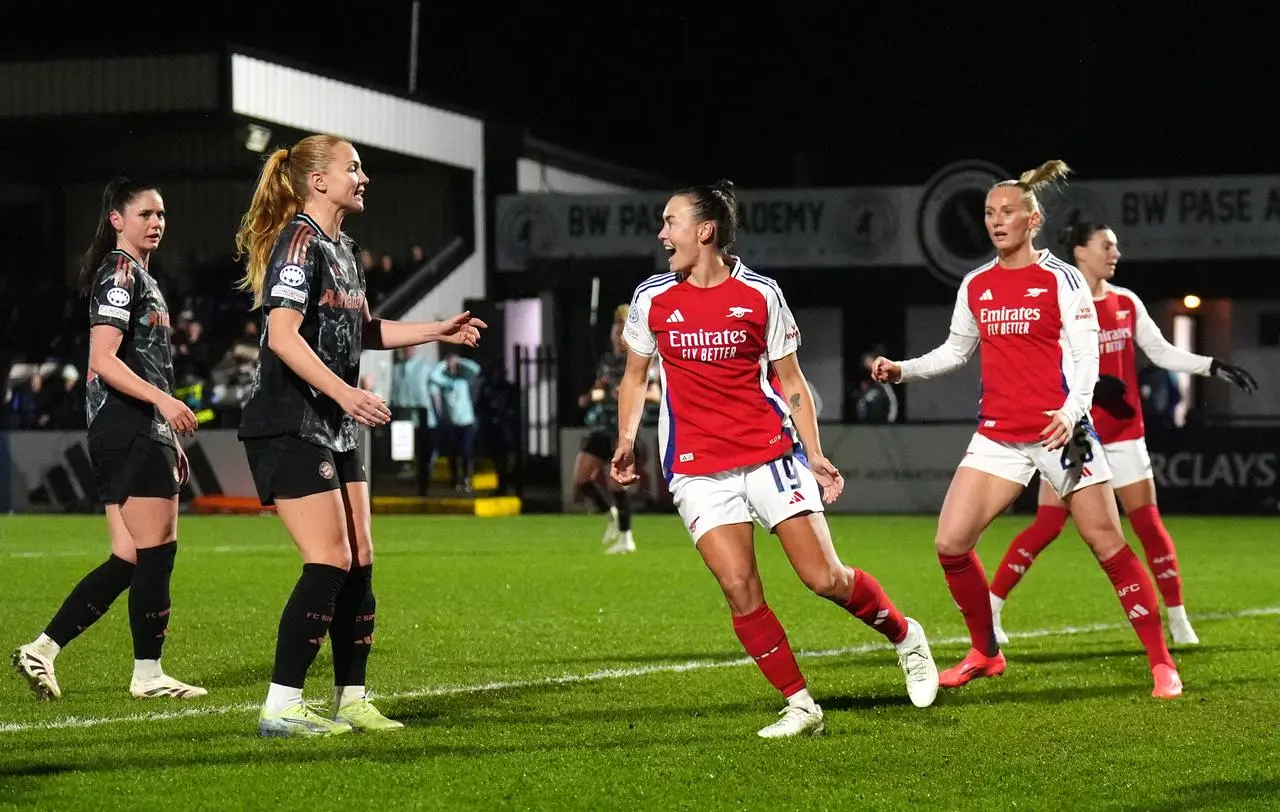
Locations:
{"points": [[288, 467], [146, 468]]}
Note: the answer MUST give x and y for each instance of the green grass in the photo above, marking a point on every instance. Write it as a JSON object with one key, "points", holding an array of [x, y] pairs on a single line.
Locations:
{"points": [[478, 618]]}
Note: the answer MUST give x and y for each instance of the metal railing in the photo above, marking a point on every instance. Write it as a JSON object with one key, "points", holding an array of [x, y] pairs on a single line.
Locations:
{"points": [[536, 370]]}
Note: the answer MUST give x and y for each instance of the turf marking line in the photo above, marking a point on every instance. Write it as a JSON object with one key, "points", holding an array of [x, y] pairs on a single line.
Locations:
{"points": [[73, 722], [94, 553]]}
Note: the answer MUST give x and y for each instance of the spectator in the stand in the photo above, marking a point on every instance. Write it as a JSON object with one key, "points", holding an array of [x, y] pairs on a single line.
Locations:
{"points": [[367, 262], [13, 375], [191, 355], [499, 419], [453, 377], [233, 375], [417, 256], [68, 412], [180, 324], [411, 393], [245, 349], [381, 281], [33, 409]]}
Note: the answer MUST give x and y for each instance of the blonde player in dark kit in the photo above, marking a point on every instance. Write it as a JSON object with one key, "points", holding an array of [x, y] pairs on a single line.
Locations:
{"points": [[301, 425], [134, 423]]}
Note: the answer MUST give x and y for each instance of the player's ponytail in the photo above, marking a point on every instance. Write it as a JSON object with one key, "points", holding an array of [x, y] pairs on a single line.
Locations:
{"points": [[1033, 181], [279, 196], [273, 205], [117, 195]]}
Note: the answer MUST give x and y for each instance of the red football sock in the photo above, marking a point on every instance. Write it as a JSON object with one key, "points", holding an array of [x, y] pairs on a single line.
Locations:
{"points": [[766, 641], [1138, 598], [968, 584], [868, 603], [1049, 522], [1162, 558]]}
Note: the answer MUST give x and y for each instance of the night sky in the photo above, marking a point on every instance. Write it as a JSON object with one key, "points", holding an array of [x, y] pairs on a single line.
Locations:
{"points": [[691, 92]]}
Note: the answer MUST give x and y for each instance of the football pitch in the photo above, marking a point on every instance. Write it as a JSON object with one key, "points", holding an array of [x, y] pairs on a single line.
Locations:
{"points": [[533, 672]]}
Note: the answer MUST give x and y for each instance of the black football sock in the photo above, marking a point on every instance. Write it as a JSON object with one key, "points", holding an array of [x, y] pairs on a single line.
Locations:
{"points": [[90, 600], [149, 600], [304, 622], [351, 633], [624, 510], [596, 494]]}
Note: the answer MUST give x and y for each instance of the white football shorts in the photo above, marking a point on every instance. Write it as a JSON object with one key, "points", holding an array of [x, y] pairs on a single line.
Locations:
{"points": [[768, 493], [1084, 463], [1130, 462]]}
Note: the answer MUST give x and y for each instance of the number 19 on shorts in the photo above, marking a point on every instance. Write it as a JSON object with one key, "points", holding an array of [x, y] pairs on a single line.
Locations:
{"points": [[785, 475]]}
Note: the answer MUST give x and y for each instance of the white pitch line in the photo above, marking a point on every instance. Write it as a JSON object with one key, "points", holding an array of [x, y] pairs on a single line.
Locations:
{"points": [[186, 550], [74, 722]]}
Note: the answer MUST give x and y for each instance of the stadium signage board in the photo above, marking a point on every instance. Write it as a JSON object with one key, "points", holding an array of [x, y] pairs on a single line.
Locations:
{"points": [[936, 226]]}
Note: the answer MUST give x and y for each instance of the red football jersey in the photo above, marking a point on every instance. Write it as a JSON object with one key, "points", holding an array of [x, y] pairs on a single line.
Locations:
{"points": [[714, 346], [1124, 322], [1025, 320]]}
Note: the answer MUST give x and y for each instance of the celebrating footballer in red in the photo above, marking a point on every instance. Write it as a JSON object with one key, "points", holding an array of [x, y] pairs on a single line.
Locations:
{"points": [[1123, 323], [736, 448], [1033, 317]]}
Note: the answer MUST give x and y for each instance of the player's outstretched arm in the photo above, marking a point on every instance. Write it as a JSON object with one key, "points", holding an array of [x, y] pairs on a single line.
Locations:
{"points": [[1166, 356], [384, 334], [947, 357], [1151, 340]]}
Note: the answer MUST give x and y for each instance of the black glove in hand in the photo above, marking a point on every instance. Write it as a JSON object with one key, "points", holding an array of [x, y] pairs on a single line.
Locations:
{"points": [[1108, 395], [1079, 449], [1236, 375]]}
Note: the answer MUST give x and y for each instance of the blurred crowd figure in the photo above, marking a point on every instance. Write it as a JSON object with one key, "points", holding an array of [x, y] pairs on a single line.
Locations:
{"points": [[458, 411], [453, 378], [384, 274], [44, 396]]}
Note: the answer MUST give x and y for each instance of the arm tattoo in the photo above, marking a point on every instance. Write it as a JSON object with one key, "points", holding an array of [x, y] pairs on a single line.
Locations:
{"points": [[795, 402]]}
